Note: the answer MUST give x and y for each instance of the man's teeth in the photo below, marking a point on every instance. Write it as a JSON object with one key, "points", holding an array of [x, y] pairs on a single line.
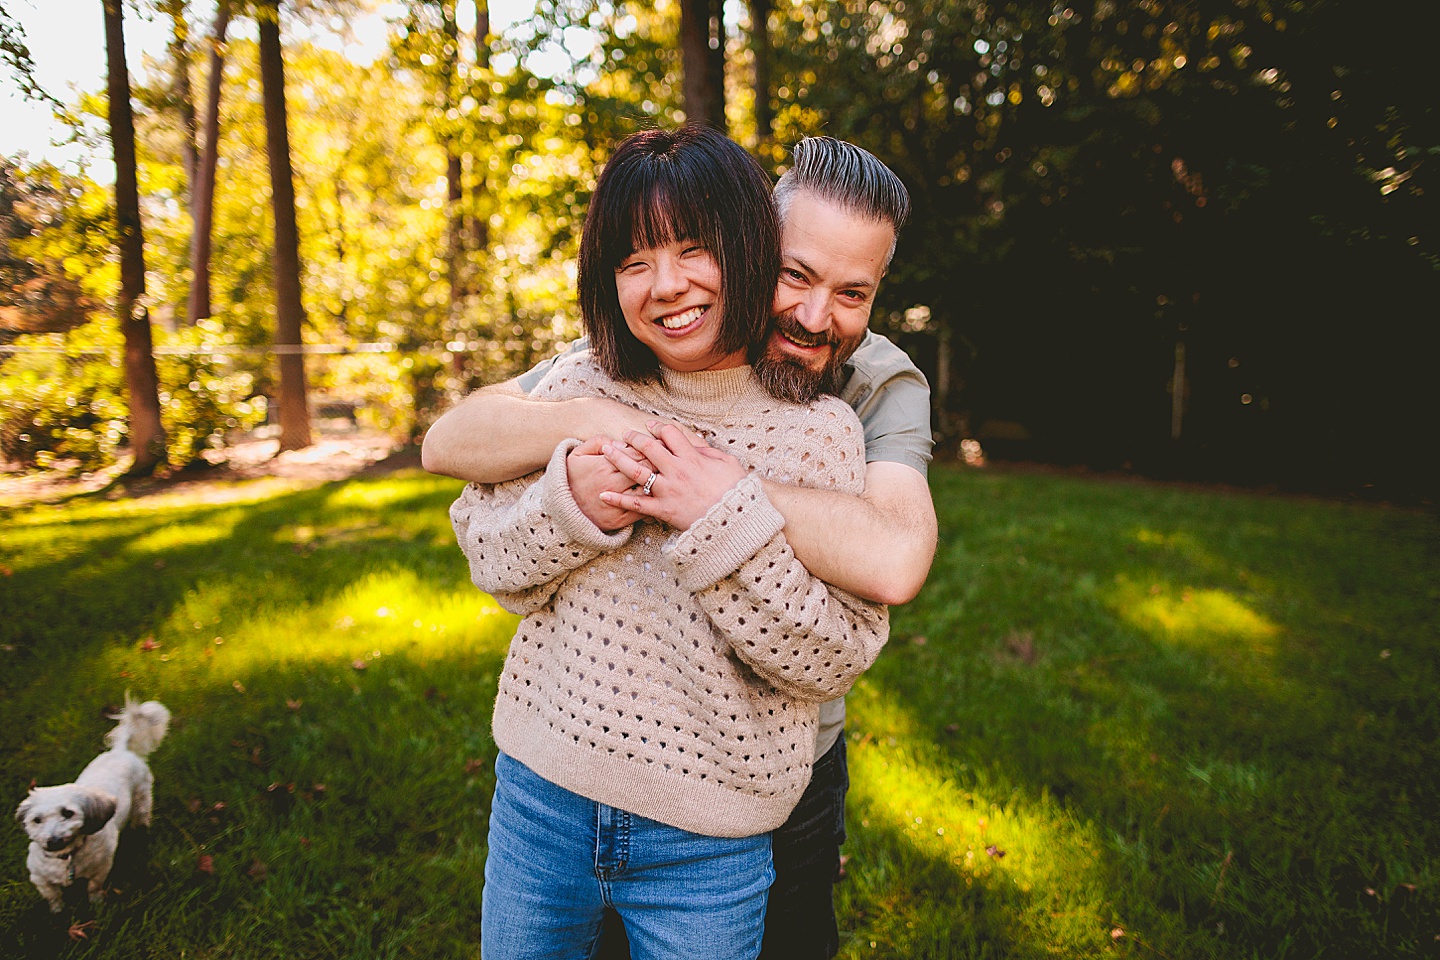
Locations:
{"points": [[802, 341], [683, 319]]}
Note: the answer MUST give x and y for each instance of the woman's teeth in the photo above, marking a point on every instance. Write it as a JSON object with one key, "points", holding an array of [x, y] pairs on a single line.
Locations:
{"points": [[683, 319]]}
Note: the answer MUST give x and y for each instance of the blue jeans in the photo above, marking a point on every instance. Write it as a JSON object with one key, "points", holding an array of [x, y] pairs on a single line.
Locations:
{"points": [[557, 861], [800, 912]]}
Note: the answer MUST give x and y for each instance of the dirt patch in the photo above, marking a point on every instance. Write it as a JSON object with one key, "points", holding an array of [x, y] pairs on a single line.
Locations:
{"points": [[338, 452]]}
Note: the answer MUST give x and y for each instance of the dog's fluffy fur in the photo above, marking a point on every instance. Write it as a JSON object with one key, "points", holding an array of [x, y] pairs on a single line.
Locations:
{"points": [[74, 828]]}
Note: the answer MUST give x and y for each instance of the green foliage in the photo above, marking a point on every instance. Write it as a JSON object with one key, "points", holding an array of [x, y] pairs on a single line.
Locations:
{"points": [[63, 396], [1120, 720]]}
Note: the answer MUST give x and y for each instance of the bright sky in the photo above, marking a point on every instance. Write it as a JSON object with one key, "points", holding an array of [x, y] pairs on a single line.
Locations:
{"points": [[67, 42]]}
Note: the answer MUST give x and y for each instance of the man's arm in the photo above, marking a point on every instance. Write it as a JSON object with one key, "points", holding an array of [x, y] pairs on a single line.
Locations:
{"points": [[878, 545], [498, 434]]}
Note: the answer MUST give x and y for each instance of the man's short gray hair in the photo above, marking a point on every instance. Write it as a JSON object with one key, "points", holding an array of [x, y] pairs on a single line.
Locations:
{"points": [[848, 176]]}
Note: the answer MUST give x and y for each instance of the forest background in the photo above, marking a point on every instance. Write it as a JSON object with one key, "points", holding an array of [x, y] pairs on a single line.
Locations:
{"points": [[1190, 239]]}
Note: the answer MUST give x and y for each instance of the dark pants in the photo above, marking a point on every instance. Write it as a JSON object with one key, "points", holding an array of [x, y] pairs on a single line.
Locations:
{"points": [[800, 914]]}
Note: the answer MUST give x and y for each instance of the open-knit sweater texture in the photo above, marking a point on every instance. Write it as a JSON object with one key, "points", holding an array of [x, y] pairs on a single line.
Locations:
{"points": [[674, 674]]}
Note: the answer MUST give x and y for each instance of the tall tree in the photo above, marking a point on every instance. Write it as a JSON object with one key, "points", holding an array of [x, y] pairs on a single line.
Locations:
{"points": [[147, 434], [702, 45], [202, 193], [760, 50], [181, 52], [289, 312]]}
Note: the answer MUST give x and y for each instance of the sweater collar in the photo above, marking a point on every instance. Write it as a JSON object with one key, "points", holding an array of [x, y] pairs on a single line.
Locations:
{"points": [[703, 389]]}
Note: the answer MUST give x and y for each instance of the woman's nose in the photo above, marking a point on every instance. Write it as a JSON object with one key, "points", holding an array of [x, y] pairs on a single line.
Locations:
{"points": [[670, 280]]}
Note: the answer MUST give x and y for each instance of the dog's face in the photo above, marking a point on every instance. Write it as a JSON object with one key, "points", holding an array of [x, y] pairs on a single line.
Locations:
{"points": [[55, 817]]}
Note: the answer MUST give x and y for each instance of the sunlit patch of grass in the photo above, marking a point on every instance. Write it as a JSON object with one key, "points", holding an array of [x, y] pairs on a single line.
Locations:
{"points": [[993, 842], [1192, 614], [177, 535]]}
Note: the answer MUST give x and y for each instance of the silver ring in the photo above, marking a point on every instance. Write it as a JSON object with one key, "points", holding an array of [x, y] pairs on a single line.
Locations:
{"points": [[648, 484]]}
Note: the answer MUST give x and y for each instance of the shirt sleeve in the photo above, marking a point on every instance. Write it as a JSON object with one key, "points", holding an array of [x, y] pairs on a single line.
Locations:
{"points": [[892, 399], [806, 637], [531, 378], [523, 537]]}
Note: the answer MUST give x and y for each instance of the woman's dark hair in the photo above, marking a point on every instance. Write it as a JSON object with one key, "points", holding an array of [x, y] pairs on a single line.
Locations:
{"points": [[661, 186]]}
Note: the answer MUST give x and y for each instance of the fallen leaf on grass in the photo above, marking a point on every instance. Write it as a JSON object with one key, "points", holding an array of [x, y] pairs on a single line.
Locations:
{"points": [[359, 664], [1021, 644], [205, 863], [294, 704], [257, 870], [81, 931], [995, 851], [1116, 934], [149, 643], [473, 767], [919, 641], [239, 687]]}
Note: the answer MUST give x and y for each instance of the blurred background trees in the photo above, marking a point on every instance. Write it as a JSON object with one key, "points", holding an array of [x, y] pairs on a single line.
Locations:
{"points": [[1191, 238]]}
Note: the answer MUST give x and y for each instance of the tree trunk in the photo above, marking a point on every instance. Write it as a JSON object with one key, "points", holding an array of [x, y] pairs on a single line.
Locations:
{"points": [[478, 226], [454, 168], [760, 49], [289, 314], [202, 196], [702, 51], [147, 434], [180, 54]]}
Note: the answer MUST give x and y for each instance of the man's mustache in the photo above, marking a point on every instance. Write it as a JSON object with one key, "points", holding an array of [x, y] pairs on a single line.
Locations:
{"points": [[789, 327]]}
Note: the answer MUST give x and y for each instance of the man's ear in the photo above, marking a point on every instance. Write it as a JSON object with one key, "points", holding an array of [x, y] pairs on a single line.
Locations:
{"points": [[98, 807]]}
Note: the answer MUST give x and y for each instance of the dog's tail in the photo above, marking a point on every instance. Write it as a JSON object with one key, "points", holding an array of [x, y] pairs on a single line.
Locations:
{"points": [[141, 728]]}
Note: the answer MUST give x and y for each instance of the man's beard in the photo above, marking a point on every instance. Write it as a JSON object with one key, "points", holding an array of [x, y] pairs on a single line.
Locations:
{"points": [[788, 378]]}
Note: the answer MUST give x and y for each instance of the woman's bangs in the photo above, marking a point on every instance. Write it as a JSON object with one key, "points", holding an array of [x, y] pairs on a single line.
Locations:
{"points": [[664, 212]]}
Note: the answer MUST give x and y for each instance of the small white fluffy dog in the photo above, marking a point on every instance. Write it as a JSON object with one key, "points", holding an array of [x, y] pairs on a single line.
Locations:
{"points": [[74, 828]]}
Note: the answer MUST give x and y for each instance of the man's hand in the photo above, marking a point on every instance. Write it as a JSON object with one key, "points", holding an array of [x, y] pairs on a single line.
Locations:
{"points": [[591, 475], [689, 478]]}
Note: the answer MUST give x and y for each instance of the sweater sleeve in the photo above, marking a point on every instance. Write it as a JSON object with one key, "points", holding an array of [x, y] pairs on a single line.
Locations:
{"points": [[808, 638], [523, 537]]}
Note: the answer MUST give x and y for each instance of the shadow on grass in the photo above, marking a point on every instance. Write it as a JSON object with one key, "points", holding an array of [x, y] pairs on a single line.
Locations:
{"points": [[1187, 685], [1207, 722], [342, 813]]}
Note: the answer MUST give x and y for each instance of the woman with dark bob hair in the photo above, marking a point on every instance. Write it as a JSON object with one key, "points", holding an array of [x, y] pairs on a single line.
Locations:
{"points": [[656, 714]]}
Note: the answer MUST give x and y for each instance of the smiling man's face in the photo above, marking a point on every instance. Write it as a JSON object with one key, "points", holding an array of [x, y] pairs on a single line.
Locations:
{"points": [[831, 264]]}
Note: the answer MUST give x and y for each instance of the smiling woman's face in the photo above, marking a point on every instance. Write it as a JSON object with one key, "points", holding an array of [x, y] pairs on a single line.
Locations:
{"points": [[670, 297]]}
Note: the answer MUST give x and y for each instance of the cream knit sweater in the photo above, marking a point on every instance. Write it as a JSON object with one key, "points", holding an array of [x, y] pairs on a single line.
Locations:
{"points": [[674, 675]]}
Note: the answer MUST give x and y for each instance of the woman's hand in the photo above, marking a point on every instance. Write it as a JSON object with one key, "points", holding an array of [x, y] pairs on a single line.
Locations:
{"points": [[689, 479], [591, 475]]}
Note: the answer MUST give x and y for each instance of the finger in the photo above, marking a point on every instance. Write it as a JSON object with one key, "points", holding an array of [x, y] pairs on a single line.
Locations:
{"points": [[591, 447], [626, 465], [652, 449], [643, 506], [633, 454], [672, 436]]}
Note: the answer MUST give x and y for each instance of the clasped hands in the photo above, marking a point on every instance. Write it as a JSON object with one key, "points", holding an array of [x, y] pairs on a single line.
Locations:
{"points": [[611, 479]]}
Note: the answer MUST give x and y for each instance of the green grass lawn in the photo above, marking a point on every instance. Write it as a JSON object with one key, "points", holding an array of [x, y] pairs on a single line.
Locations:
{"points": [[1121, 720]]}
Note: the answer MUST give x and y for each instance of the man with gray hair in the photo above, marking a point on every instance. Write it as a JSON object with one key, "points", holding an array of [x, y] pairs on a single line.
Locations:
{"points": [[840, 210]]}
